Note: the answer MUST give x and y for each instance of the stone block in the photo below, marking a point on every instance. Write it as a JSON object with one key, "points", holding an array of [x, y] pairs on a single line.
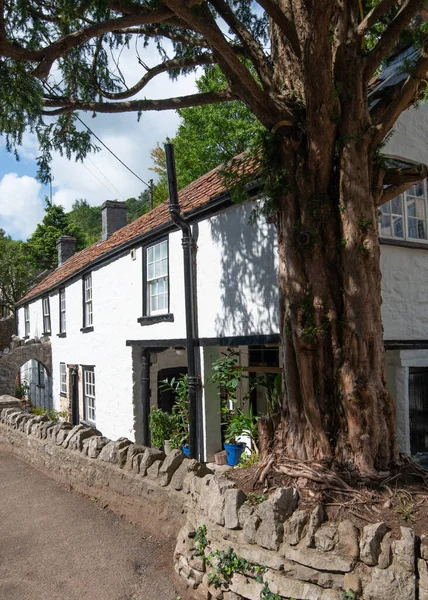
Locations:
{"points": [[348, 543], [76, 442], [44, 429], [385, 556], [351, 581], [61, 436], [270, 531], [154, 469], [423, 573], [370, 542], [250, 528], [390, 583], [212, 498], [245, 587], [53, 433], [318, 560], [321, 578], [424, 547], [171, 463], [299, 590], [293, 528], [315, 521], [325, 538], [233, 500], [72, 433], [149, 457], [245, 513], [189, 465], [285, 501], [133, 458], [404, 550], [115, 452]]}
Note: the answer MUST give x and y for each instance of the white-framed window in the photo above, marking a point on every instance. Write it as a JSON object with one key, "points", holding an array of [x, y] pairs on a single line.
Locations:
{"points": [[89, 393], [27, 320], [405, 217], [87, 301], [157, 278], [62, 316], [62, 378], [46, 315]]}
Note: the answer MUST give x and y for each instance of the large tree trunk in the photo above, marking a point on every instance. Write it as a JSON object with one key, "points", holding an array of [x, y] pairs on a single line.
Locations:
{"points": [[336, 405]]}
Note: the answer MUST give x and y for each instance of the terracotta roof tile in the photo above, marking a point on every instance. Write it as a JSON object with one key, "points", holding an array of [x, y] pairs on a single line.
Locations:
{"points": [[191, 197]]}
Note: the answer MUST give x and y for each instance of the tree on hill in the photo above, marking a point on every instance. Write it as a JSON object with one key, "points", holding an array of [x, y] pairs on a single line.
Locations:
{"points": [[42, 243], [311, 65], [88, 219], [206, 137], [16, 271]]}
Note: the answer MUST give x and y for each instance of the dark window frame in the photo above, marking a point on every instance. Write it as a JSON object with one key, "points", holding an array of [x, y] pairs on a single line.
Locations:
{"points": [[146, 308], [46, 317], [41, 380]]}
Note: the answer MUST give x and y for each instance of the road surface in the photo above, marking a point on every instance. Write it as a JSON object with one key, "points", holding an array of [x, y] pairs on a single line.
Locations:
{"points": [[57, 545]]}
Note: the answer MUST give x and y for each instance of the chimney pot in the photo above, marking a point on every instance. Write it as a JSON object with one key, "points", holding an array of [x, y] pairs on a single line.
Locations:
{"points": [[113, 217], [66, 246]]}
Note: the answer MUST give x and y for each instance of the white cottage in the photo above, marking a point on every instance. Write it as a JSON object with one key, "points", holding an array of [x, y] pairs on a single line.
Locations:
{"points": [[115, 312]]}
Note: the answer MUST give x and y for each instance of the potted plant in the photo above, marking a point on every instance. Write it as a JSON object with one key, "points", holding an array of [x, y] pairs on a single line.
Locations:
{"points": [[180, 412], [235, 422], [161, 428]]}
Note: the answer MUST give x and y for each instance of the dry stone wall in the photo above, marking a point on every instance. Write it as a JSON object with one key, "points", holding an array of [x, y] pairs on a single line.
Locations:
{"points": [[229, 546]]}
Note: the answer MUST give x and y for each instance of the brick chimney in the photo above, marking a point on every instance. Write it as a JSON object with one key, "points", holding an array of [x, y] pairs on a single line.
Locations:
{"points": [[113, 217], [66, 246]]}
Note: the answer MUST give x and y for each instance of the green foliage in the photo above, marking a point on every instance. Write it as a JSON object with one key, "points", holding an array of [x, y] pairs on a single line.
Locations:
{"points": [[407, 510], [273, 385], [88, 218], [266, 594], [248, 459], [180, 410], [207, 136], [16, 271], [162, 426], [42, 243], [254, 499], [22, 390], [53, 415], [201, 541], [226, 563], [349, 595]]}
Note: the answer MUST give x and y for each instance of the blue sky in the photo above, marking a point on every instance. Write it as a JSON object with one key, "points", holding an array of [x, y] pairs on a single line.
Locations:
{"points": [[101, 177]]}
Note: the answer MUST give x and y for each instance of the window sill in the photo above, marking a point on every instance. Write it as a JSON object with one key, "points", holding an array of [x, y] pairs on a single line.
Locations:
{"points": [[90, 424], [87, 329], [403, 243], [61, 335], [46, 333], [152, 319], [63, 394], [26, 337]]}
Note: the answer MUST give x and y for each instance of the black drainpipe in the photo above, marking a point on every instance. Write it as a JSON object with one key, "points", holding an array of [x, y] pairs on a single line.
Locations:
{"points": [[145, 383], [188, 250]]}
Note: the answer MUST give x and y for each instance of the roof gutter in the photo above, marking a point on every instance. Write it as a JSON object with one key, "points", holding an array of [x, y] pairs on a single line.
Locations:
{"points": [[189, 252]]}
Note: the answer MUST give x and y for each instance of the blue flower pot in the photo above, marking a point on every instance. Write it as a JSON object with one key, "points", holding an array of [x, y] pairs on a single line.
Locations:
{"points": [[186, 450], [233, 453]]}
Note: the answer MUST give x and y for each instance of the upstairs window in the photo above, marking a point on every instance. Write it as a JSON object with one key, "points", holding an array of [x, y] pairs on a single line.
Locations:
{"points": [[62, 379], [62, 319], [157, 278], [46, 316], [405, 217], [27, 320], [89, 393], [87, 301]]}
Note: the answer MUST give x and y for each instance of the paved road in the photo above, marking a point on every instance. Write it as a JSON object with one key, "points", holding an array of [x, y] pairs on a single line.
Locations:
{"points": [[57, 545]]}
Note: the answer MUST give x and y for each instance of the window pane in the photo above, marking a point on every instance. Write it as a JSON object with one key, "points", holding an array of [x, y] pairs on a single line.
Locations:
{"points": [[397, 206], [157, 252], [164, 250], [150, 271], [397, 226], [385, 225], [386, 208]]}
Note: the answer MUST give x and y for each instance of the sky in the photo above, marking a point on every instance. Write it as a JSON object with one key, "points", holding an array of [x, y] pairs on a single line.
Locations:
{"points": [[101, 177]]}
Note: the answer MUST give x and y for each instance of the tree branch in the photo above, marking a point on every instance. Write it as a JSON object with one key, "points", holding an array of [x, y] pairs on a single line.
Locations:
{"points": [[399, 180], [169, 65], [390, 37], [286, 26], [402, 97], [65, 105], [157, 32], [254, 50], [373, 16], [241, 81]]}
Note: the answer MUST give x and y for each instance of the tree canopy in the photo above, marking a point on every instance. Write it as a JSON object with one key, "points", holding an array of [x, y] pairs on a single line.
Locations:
{"points": [[42, 244], [304, 68], [16, 270]]}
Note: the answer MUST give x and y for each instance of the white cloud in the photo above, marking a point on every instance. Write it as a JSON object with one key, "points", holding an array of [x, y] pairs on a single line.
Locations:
{"points": [[21, 206]]}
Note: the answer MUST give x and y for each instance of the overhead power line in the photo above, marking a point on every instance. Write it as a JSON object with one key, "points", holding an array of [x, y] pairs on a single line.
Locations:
{"points": [[100, 140]]}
